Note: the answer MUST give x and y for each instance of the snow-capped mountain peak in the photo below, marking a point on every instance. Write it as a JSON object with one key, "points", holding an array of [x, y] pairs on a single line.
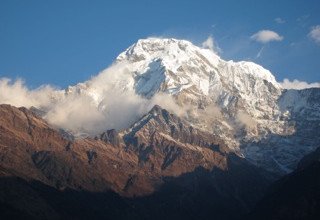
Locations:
{"points": [[171, 50], [161, 64], [172, 66], [239, 101], [194, 76]]}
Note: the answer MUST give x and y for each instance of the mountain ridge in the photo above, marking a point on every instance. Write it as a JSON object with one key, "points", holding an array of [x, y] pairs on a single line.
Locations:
{"points": [[33, 154], [239, 101], [170, 131]]}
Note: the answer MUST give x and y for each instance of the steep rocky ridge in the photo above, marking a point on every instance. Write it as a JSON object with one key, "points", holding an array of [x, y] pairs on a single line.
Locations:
{"points": [[166, 164]]}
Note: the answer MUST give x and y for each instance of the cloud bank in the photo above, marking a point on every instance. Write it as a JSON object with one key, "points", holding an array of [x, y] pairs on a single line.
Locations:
{"points": [[296, 84], [314, 34], [17, 94], [89, 108], [265, 36]]}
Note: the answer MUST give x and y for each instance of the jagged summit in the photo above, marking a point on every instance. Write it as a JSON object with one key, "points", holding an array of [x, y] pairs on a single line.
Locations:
{"points": [[173, 65], [159, 124], [178, 67], [160, 47]]}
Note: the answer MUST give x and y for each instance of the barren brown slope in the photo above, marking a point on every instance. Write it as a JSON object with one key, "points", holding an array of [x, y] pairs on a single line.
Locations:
{"points": [[160, 156], [34, 150]]}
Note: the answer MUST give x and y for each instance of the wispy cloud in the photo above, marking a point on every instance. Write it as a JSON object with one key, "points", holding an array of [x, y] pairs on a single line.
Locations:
{"points": [[211, 44], [279, 20], [303, 20], [265, 36], [260, 52], [297, 84], [314, 34]]}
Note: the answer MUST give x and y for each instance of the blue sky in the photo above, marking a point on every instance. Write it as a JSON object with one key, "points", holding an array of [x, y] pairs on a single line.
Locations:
{"points": [[66, 42]]}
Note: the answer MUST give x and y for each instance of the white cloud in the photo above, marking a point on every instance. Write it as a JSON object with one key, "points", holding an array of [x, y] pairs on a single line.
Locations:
{"points": [[265, 36], [314, 34], [296, 84], [279, 20], [17, 94], [211, 44]]}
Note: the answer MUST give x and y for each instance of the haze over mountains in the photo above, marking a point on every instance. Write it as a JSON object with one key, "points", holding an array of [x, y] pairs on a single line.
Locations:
{"points": [[168, 120]]}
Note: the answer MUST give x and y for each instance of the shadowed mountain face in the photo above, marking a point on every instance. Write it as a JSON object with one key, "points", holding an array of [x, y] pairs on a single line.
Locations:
{"points": [[161, 167], [295, 196]]}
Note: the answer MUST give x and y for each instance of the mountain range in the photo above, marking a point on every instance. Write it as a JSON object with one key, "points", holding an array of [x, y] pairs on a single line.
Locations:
{"points": [[170, 130], [240, 102]]}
